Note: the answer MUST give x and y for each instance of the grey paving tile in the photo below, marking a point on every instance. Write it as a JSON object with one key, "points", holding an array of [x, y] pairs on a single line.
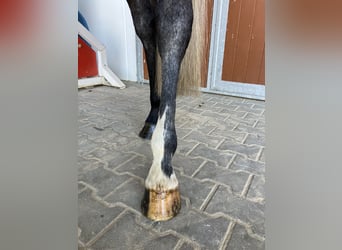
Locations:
{"points": [[216, 115], [255, 139], [262, 156], [209, 140], [241, 240], [260, 125], [256, 191], [251, 151], [245, 210], [232, 136], [93, 216], [186, 246], [220, 157], [195, 190], [102, 180], [109, 123], [118, 158], [167, 242], [254, 116], [186, 164], [130, 194], [85, 165], [137, 166], [125, 234], [183, 146], [249, 129], [250, 110], [203, 230], [233, 179], [245, 164]]}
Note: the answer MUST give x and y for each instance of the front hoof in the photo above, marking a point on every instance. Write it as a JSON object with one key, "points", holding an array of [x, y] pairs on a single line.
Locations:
{"points": [[161, 205], [147, 131]]}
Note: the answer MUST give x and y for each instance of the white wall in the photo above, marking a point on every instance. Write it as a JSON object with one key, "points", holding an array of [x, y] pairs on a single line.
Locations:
{"points": [[111, 23]]}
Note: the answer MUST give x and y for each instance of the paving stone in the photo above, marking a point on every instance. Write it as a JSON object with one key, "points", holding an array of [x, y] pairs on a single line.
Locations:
{"points": [[232, 136], [140, 146], [109, 123], [85, 165], [195, 190], [118, 158], [186, 164], [203, 106], [215, 115], [124, 234], [233, 179], [193, 109], [250, 110], [199, 228], [137, 166], [206, 128], [220, 157], [256, 102], [190, 120], [256, 191], [251, 151], [183, 147], [226, 107], [99, 122], [81, 187], [85, 146], [241, 240], [260, 125], [254, 116], [102, 180], [158, 243], [105, 152], [245, 164], [186, 246], [245, 210], [94, 134], [259, 105], [93, 216], [255, 139], [182, 132], [249, 129], [245, 121], [262, 156], [243, 105], [210, 141], [130, 194]]}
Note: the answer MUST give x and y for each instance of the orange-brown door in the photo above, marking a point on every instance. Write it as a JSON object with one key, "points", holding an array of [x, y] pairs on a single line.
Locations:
{"points": [[244, 49]]}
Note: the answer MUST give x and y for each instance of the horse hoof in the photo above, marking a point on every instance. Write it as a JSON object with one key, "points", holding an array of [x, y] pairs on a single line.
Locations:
{"points": [[147, 131], [161, 205]]}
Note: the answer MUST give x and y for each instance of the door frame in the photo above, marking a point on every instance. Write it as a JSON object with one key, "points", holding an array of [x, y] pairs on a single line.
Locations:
{"points": [[215, 83]]}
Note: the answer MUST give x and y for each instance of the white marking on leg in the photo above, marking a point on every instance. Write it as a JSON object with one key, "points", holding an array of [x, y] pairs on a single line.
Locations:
{"points": [[156, 178]]}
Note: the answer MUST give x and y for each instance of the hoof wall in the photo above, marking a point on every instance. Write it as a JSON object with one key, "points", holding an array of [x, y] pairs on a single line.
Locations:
{"points": [[147, 131], [161, 205]]}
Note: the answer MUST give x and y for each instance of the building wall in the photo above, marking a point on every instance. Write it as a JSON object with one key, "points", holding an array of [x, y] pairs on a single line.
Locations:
{"points": [[110, 21]]}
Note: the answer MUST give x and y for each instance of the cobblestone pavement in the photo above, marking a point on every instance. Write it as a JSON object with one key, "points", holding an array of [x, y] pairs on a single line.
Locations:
{"points": [[220, 165]]}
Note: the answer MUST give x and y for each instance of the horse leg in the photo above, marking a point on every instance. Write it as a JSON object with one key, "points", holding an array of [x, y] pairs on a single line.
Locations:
{"points": [[162, 199], [145, 27], [151, 120]]}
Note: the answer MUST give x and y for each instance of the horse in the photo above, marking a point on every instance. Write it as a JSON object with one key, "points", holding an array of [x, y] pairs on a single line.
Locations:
{"points": [[173, 39]]}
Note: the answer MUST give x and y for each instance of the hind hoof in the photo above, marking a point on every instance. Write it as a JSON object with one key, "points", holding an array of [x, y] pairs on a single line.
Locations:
{"points": [[161, 205], [147, 131]]}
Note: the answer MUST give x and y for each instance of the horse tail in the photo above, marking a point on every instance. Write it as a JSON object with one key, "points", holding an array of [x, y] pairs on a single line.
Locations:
{"points": [[191, 71]]}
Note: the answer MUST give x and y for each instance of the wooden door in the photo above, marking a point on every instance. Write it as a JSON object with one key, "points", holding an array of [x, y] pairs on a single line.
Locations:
{"points": [[244, 50]]}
